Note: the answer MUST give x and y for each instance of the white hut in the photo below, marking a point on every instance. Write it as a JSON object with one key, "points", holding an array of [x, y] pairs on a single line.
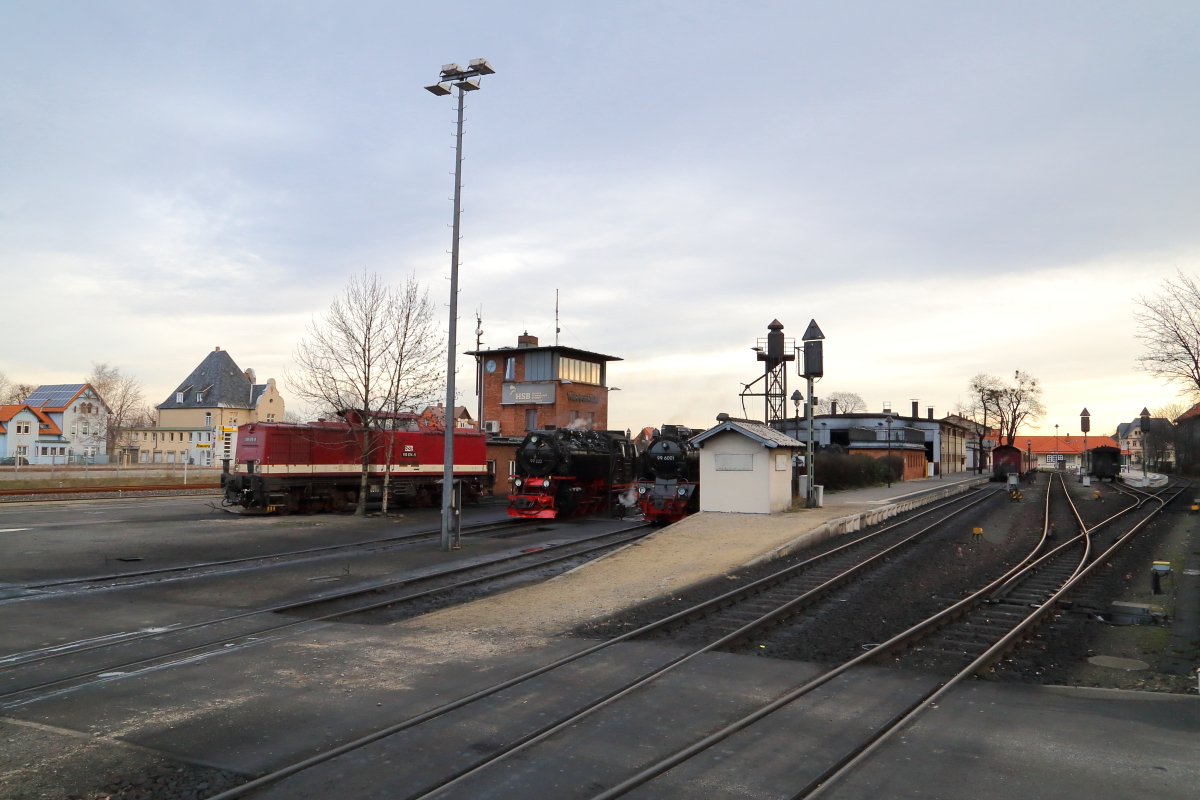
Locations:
{"points": [[746, 467]]}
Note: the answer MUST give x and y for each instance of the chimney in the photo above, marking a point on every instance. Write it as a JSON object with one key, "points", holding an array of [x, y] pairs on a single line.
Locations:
{"points": [[525, 340], [218, 347], [887, 406], [833, 407], [929, 411], [916, 409]]}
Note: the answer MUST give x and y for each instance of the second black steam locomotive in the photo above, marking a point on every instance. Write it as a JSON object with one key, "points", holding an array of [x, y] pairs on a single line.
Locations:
{"points": [[668, 488], [561, 471]]}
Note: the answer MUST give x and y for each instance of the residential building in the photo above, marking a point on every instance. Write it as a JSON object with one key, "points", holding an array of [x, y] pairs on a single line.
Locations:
{"points": [[435, 416], [32, 436], [198, 422], [1155, 443], [978, 445], [1060, 452], [79, 413]]}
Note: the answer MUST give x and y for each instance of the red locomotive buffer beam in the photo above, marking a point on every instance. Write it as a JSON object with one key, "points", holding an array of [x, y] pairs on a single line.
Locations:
{"points": [[665, 502]]}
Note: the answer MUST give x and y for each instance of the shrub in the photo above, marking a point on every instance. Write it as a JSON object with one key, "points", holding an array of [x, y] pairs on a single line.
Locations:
{"points": [[839, 471]]}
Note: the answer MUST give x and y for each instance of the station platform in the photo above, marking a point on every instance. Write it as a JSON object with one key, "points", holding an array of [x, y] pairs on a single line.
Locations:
{"points": [[702, 547]]}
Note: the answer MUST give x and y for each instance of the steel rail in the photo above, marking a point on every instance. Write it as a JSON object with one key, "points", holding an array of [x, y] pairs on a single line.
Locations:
{"points": [[984, 660], [417, 535], [678, 616], [16, 661], [1028, 565], [48, 490]]}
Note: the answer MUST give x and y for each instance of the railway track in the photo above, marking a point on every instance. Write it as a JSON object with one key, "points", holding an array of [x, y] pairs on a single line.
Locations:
{"points": [[120, 579], [825, 569], [119, 491], [189, 641], [1032, 587]]}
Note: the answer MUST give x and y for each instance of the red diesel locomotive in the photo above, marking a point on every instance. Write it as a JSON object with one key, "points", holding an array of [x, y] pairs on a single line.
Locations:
{"points": [[283, 468]]}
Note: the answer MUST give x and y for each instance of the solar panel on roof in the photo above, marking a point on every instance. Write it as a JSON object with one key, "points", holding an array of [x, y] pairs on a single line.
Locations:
{"points": [[53, 395]]}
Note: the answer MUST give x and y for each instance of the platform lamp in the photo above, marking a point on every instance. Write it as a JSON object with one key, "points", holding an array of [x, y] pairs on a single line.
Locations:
{"points": [[1085, 425], [814, 367], [1145, 415], [465, 80], [1029, 450]]}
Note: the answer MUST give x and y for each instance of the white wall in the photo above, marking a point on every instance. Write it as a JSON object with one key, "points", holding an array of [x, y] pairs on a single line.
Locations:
{"points": [[757, 491]]}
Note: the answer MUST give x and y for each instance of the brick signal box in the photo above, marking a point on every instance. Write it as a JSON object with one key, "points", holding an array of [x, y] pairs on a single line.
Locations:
{"points": [[528, 387]]}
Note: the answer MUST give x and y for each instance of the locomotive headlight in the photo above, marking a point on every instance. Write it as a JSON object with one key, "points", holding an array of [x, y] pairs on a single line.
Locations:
{"points": [[517, 482], [641, 490], [682, 491]]}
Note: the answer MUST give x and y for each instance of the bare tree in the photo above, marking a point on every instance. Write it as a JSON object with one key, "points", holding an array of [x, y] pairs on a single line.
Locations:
{"points": [[980, 409], [413, 370], [123, 396], [1017, 403], [5, 388], [847, 403], [1170, 332], [366, 359], [1170, 411], [16, 393]]}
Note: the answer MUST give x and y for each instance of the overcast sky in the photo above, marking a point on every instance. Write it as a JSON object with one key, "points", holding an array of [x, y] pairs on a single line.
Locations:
{"points": [[948, 188]]}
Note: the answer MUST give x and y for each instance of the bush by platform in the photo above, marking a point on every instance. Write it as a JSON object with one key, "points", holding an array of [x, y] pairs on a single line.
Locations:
{"points": [[841, 471]]}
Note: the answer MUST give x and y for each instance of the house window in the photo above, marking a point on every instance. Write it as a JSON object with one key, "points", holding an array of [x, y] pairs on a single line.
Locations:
{"points": [[591, 420], [179, 397], [22, 449], [44, 449], [510, 368], [72, 430], [170, 456], [199, 397], [270, 417], [190, 434], [86, 430], [531, 419], [143, 456], [158, 456], [208, 419]]}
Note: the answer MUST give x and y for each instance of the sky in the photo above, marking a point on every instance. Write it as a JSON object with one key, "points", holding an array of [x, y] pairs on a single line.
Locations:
{"points": [[947, 188]]}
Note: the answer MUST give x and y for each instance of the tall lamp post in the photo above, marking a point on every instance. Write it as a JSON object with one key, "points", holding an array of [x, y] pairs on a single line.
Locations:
{"points": [[1085, 425], [465, 80], [1029, 452], [888, 432], [814, 367]]}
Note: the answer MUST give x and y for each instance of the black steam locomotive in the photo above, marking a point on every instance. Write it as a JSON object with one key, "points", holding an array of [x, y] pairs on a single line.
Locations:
{"points": [[564, 472], [669, 481]]}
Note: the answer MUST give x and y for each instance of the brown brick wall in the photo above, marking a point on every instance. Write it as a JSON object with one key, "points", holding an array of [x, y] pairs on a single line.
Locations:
{"points": [[512, 417]]}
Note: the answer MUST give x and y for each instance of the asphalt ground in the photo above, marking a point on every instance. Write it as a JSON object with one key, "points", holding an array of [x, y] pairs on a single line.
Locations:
{"points": [[265, 704]]}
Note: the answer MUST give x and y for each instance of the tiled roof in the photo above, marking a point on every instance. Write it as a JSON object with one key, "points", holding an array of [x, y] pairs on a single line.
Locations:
{"points": [[46, 424], [55, 396], [224, 385], [1194, 411], [256, 391], [763, 434], [1060, 444]]}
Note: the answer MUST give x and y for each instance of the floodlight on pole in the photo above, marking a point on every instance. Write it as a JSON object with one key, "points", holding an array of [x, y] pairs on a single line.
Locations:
{"points": [[465, 81]]}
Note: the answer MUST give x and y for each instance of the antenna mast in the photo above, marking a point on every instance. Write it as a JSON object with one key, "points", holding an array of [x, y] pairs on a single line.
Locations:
{"points": [[557, 329]]}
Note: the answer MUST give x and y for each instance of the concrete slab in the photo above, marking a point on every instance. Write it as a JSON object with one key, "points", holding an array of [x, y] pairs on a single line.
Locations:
{"points": [[992, 741]]}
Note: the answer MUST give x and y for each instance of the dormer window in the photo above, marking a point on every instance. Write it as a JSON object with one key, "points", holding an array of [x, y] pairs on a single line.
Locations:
{"points": [[179, 397], [199, 397]]}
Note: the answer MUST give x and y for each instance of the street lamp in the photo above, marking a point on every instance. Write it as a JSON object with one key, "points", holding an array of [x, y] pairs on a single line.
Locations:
{"points": [[1056, 445], [1029, 451], [465, 80], [888, 420], [1145, 415]]}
